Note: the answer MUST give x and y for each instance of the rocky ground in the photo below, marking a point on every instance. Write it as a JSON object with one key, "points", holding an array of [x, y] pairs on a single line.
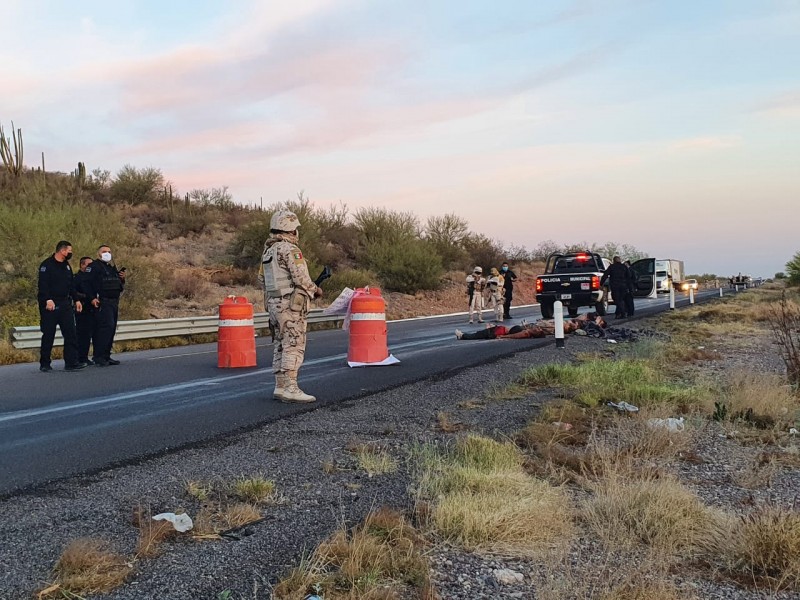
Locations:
{"points": [[321, 487]]}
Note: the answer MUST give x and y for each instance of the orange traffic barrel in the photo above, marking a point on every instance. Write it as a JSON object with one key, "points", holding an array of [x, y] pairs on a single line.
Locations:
{"points": [[236, 345], [368, 342]]}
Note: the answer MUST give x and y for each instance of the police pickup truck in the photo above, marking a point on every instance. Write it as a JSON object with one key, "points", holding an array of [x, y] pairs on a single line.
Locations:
{"points": [[574, 279]]}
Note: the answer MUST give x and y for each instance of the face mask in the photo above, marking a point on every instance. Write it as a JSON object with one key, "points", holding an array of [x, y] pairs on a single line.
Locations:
{"points": [[68, 256], [505, 268], [105, 257]]}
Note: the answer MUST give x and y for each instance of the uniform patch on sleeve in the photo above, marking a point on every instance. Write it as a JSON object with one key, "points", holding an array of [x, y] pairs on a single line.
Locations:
{"points": [[88, 269], [43, 269], [298, 256]]}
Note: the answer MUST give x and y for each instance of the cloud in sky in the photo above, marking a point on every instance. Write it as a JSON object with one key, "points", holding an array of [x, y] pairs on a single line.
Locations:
{"points": [[515, 115]]}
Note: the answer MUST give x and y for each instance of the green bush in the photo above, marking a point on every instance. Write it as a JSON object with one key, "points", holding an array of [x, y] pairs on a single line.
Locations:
{"points": [[352, 278], [18, 314], [793, 270], [447, 234], [405, 266], [482, 251], [135, 186], [248, 244]]}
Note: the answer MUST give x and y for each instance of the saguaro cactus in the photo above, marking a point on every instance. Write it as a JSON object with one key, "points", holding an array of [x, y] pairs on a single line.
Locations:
{"points": [[12, 161], [80, 174]]}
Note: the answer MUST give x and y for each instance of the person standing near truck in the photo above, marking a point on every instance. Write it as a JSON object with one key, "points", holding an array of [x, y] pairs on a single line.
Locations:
{"points": [[495, 286], [509, 277], [629, 303], [617, 276]]}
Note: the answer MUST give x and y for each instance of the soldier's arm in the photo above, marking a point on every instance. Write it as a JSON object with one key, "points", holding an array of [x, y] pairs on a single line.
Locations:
{"points": [[44, 283]]}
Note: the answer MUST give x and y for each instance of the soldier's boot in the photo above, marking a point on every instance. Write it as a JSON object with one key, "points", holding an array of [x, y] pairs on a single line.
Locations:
{"points": [[280, 386], [292, 393]]}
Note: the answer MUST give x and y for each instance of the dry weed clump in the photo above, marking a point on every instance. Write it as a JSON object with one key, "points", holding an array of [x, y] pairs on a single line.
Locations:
{"points": [[479, 496], [373, 458], [763, 549], [445, 424], [656, 511], [762, 400], [380, 559], [87, 566], [255, 490]]}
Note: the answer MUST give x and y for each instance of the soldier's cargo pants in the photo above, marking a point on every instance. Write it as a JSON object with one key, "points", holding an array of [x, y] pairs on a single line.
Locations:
{"points": [[287, 316]]}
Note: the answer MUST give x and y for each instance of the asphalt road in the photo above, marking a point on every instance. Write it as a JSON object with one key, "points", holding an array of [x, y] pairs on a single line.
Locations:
{"points": [[60, 424]]}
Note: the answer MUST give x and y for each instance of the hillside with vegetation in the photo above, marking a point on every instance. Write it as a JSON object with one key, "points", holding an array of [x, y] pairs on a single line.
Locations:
{"points": [[186, 251]]}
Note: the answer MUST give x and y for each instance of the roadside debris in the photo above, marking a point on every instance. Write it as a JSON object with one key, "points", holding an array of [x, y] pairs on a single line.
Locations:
{"points": [[562, 426], [182, 523], [624, 407], [670, 424]]}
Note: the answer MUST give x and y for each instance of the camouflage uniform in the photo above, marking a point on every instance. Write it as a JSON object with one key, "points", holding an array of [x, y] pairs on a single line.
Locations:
{"points": [[495, 286], [476, 284], [288, 291]]}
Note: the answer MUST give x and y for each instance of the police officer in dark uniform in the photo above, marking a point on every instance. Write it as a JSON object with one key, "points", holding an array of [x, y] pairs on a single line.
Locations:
{"points": [[509, 277], [617, 273], [86, 320], [56, 293], [104, 284]]}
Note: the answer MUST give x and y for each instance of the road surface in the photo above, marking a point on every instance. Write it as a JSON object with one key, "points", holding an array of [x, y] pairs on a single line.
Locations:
{"points": [[60, 424]]}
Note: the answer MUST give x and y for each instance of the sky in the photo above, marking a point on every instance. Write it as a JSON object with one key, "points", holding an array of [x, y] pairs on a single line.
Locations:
{"points": [[671, 125]]}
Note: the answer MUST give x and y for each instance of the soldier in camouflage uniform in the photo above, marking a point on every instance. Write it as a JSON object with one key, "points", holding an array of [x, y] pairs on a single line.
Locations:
{"points": [[476, 283], [495, 287], [288, 291]]}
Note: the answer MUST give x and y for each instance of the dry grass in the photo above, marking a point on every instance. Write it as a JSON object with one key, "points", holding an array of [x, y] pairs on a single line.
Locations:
{"points": [[478, 496], [761, 400], [381, 559], [87, 566], [199, 490], [10, 355], [152, 534], [656, 511], [239, 515], [445, 424], [255, 490], [763, 549], [373, 458]]}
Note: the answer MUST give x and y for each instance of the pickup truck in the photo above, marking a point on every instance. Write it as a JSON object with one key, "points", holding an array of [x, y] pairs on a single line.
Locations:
{"points": [[574, 279]]}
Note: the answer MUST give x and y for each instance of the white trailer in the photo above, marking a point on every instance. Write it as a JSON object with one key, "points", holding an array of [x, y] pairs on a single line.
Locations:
{"points": [[669, 272]]}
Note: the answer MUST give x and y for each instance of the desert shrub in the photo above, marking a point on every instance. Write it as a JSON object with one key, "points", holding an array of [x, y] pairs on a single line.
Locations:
{"points": [[232, 277], [380, 225], [18, 314], [184, 222], [483, 251], [135, 186], [406, 265], [248, 244], [352, 278], [146, 282], [446, 235], [793, 270], [186, 284]]}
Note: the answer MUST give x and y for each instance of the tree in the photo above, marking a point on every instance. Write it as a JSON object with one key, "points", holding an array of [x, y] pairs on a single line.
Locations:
{"points": [[137, 186], [446, 234], [780, 275], [793, 269]]}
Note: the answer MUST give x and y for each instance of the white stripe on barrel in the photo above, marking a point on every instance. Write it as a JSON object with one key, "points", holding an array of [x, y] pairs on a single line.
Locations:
{"points": [[367, 316], [236, 322]]}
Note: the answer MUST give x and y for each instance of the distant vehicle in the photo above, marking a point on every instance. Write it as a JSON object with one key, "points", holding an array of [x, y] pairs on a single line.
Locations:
{"points": [[669, 272], [689, 284]]}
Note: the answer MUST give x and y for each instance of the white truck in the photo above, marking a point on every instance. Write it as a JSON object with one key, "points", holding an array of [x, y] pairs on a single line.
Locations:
{"points": [[669, 272]]}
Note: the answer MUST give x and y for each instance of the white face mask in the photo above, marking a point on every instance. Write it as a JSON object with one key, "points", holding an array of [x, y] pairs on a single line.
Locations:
{"points": [[105, 257]]}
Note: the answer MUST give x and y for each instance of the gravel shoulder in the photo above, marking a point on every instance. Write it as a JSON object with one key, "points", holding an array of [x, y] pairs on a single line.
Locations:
{"points": [[36, 526]]}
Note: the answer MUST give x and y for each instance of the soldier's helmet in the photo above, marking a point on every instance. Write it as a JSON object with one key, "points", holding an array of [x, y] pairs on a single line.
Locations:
{"points": [[284, 220], [478, 271]]}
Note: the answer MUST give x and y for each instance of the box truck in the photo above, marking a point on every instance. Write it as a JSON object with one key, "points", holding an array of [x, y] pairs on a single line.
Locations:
{"points": [[669, 272]]}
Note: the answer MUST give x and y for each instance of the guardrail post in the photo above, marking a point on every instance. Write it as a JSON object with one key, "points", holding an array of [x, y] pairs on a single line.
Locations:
{"points": [[720, 292], [558, 314], [691, 295], [671, 298]]}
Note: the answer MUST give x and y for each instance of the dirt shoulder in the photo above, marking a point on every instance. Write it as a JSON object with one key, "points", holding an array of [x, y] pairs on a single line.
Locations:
{"points": [[333, 466]]}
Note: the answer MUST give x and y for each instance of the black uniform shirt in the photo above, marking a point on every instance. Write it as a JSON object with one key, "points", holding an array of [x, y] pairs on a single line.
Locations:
{"points": [[81, 289], [102, 281], [508, 279], [617, 273], [55, 281]]}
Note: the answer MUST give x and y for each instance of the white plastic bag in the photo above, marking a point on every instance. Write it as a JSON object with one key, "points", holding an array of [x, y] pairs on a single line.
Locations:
{"points": [[671, 424], [182, 523]]}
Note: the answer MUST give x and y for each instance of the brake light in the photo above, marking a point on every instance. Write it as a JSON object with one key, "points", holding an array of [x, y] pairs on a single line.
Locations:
{"points": [[539, 285], [582, 257], [595, 282]]}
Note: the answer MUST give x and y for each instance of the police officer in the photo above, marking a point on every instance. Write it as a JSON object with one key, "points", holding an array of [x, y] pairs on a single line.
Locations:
{"points": [[86, 320], [56, 292], [104, 284], [509, 277], [619, 278], [288, 291]]}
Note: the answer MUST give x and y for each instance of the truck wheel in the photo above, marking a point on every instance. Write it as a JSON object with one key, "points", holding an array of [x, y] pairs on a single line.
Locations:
{"points": [[573, 311], [602, 307], [547, 310]]}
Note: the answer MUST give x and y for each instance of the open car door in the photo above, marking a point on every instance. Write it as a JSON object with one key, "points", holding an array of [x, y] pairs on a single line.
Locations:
{"points": [[645, 271]]}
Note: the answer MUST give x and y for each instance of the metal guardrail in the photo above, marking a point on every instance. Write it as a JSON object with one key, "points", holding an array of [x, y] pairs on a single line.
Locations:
{"points": [[30, 337]]}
